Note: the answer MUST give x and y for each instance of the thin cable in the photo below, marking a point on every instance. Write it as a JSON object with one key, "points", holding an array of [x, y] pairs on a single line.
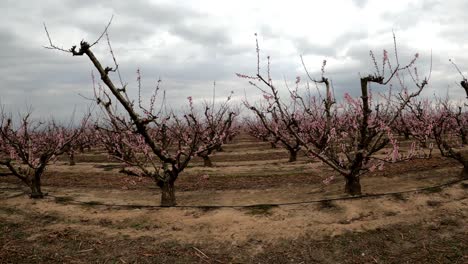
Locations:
{"points": [[136, 206]]}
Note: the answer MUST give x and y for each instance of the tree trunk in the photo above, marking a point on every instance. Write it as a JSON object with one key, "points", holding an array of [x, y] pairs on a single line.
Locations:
{"points": [[464, 172], [71, 158], [167, 193], [463, 139], [353, 186], [423, 144], [407, 134], [292, 155], [35, 186], [207, 161], [273, 144]]}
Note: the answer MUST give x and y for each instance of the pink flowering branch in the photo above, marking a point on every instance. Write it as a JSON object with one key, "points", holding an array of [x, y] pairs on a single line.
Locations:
{"points": [[347, 135], [157, 143], [27, 148], [444, 123]]}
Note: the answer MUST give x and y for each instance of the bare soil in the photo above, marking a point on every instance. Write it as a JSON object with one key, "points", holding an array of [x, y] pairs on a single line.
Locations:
{"points": [[254, 208]]}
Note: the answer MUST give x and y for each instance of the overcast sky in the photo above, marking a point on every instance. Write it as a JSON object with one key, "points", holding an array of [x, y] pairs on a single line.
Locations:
{"points": [[190, 44]]}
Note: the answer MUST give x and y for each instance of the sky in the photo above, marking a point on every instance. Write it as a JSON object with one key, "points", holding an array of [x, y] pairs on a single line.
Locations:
{"points": [[189, 45]]}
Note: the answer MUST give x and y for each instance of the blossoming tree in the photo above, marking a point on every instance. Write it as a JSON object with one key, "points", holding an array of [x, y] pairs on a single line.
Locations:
{"points": [[254, 127], [446, 124], [155, 142], [29, 146], [217, 128], [347, 135]]}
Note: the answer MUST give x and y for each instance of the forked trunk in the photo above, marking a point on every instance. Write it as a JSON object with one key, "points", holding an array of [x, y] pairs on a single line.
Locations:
{"points": [[353, 186], [167, 193], [292, 155], [207, 161], [35, 186]]}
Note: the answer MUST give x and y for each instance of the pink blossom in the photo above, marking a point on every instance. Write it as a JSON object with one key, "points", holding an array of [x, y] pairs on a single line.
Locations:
{"points": [[385, 55], [190, 101], [328, 180], [267, 96]]}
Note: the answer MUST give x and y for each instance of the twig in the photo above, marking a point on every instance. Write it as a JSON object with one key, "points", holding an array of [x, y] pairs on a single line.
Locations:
{"points": [[86, 250], [52, 46], [201, 252], [104, 32], [458, 69]]}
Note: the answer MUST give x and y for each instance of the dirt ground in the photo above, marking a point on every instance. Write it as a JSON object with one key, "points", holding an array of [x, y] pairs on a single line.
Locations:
{"points": [[253, 208]]}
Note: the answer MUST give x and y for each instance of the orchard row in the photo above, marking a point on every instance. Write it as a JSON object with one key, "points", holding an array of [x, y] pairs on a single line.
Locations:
{"points": [[347, 135]]}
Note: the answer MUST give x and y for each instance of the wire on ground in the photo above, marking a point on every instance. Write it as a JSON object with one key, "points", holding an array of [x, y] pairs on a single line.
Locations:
{"points": [[371, 195]]}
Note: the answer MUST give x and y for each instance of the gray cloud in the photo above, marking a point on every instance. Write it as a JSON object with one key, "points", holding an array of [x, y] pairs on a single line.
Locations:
{"points": [[415, 13], [360, 3], [189, 47]]}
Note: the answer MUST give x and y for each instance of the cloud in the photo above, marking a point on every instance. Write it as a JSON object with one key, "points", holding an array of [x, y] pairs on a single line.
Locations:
{"points": [[360, 3], [189, 46]]}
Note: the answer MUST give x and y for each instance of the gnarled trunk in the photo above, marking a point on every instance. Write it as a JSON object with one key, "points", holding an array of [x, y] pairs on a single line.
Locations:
{"points": [[167, 193], [71, 158], [353, 186], [292, 155], [464, 172], [207, 161], [462, 157], [463, 138], [166, 183], [35, 185], [407, 134], [423, 144]]}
